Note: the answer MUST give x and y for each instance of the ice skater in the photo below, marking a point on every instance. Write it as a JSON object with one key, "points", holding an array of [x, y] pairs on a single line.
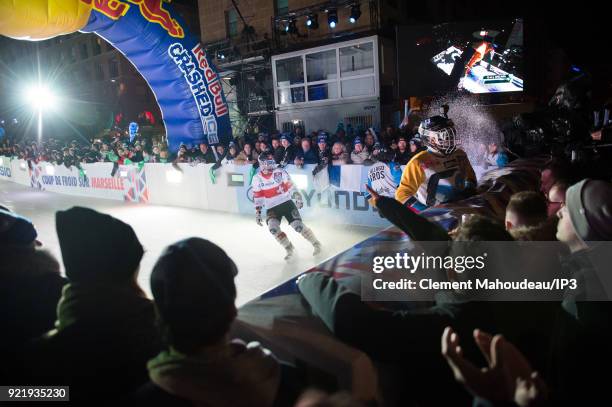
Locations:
{"points": [[273, 189]]}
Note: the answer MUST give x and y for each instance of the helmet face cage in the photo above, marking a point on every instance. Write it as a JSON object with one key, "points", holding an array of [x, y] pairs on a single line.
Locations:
{"points": [[267, 162], [445, 141]]}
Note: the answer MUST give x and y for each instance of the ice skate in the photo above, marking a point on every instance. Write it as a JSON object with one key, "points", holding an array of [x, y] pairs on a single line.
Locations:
{"points": [[290, 253]]}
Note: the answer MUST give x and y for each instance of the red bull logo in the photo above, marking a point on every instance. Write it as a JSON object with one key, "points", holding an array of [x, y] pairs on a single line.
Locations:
{"points": [[154, 11], [110, 8], [151, 10]]}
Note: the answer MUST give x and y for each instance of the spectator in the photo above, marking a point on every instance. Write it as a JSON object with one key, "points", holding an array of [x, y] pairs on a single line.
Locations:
{"points": [[416, 146], [163, 156], [278, 150], [155, 156], [220, 152], [527, 219], [495, 155], [403, 154], [306, 155], [289, 151], [297, 142], [137, 156], [556, 170], [525, 209], [231, 155], [246, 156], [182, 156], [369, 141], [205, 155], [359, 155], [324, 153], [556, 198], [30, 285], [105, 330], [193, 286], [338, 154], [580, 346], [389, 136]]}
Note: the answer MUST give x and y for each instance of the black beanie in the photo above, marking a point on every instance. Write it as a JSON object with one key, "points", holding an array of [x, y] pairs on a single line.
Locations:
{"points": [[193, 286], [97, 247]]}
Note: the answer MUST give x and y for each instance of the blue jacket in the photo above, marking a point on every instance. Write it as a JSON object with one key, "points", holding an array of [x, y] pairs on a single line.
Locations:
{"points": [[310, 156]]}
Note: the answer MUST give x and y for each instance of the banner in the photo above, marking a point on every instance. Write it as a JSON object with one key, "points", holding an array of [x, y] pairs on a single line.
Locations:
{"points": [[128, 184]]}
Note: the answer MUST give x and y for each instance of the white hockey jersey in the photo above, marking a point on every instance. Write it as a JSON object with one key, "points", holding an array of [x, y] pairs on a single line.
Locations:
{"points": [[270, 190], [384, 178]]}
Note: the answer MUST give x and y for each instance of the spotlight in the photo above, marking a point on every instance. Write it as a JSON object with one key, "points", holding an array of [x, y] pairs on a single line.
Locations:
{"points": [[40, 98], [291, 27], [332, 17], [355, 13], [220, 55], [312, 21]]}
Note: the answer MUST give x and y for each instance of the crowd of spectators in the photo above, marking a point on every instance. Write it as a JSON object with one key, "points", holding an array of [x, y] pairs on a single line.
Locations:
{"points": [[358, 147]]}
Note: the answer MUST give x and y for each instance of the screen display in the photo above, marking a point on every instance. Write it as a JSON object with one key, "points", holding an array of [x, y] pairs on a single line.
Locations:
{"points": [[474, 57]]}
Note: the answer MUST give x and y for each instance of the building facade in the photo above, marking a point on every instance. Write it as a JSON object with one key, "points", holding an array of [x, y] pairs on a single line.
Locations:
{"points": [[301, 62]]}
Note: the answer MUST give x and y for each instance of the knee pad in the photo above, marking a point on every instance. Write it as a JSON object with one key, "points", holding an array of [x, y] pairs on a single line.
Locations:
{"points": [[274, 226], [297, 225]]}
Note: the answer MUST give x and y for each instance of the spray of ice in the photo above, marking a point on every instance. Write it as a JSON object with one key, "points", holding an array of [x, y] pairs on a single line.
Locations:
{"points": [[474, 124]]}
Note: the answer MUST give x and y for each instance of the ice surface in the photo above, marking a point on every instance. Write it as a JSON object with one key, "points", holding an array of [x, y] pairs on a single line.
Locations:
{"points": [[258, 256]]}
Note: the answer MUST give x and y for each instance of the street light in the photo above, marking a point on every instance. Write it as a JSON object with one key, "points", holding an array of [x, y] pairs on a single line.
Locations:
{"points": [[40, 98]]}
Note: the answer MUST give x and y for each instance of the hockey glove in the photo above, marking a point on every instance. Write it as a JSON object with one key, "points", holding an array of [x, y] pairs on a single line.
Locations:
{"points": [[258, 217], [297, 197]]}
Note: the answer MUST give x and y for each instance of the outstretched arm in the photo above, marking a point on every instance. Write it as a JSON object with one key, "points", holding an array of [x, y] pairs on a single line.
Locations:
{"points": [[414, 225]]}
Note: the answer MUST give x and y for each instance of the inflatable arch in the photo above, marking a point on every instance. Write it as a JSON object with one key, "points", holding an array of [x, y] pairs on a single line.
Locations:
{"points": [[155, 40]]}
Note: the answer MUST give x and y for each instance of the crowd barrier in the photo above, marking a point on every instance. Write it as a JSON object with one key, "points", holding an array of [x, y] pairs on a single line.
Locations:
{"points": [[343, 202]]}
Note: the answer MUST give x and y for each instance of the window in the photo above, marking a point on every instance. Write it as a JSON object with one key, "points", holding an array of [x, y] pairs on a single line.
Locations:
{"points": [[96, 48], [335, 72], [84, 52], [232, 22], [357, 65], [321, 66], [357, 60], [99, 72], [113, 67], [289, 71], [282, 7]]}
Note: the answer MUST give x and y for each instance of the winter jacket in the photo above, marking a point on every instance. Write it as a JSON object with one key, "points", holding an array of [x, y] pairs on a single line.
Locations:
{"points": [[104, 336], [360, 158], [309, 157], [243, 159], [30, 288]]}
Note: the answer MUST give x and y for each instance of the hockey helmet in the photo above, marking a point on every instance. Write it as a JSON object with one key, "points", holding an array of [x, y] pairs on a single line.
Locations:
{"points": [[266, 161], [439, 134]]}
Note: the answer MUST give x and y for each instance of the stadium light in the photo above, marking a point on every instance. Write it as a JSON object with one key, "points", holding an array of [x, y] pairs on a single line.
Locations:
{"points": [[355, 13], [312, 21], [40, 97], [332, 17]]}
